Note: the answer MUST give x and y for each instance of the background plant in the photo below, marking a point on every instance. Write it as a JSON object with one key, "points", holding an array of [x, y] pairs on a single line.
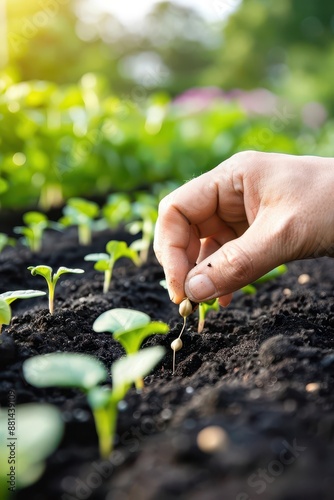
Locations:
{"points": [[148, 215], [38, 431], [85, 373], [96, 125], [9, 297], [35, 225], [5, 241], [130, 328], [52, 279], [5, 313], [117, 210], [81, 213], [105, 262], [203, 309], [271, 275]]}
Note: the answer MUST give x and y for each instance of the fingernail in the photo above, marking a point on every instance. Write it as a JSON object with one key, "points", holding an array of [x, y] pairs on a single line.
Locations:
{"points": [[200, 287]]}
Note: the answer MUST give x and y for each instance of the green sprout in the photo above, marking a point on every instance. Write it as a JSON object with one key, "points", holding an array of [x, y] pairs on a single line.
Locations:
{"points": [[6, 241], [31, 432], [5, 313], [9, 297], [86, 373], [148, 217], [35, 225], [130, 328], [271, 275], [81, 213], [203, 309], [105, 262], [46, 272], [117, 209]]}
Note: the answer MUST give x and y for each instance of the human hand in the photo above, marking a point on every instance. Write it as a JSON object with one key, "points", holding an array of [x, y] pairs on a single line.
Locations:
{"points": [[238, 221]]}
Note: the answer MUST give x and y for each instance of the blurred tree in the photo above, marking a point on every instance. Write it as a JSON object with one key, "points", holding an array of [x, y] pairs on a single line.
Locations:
{"points": [[185, 42], [60, 40], [287, 46], [43, 43]]}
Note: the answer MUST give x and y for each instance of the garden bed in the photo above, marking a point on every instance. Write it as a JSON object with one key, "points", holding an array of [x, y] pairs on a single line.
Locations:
{"points": [[273, 400]]}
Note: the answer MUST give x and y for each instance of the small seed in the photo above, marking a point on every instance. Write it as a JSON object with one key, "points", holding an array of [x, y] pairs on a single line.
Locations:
{"points": [[304, 278], [312, 387], [177, 344], [212, 439], [185, 308]]}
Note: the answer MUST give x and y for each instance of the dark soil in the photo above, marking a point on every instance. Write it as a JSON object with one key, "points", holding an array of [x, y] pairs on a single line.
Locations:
{"points": [[247, 373]]}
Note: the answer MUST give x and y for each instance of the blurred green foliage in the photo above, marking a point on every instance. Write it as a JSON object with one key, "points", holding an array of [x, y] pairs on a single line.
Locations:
{"points": [[58, 142], [286, 46], [87, 104]]}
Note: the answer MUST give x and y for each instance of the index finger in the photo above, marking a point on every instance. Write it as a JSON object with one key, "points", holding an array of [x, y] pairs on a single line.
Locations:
{"points": [[177, 234]]}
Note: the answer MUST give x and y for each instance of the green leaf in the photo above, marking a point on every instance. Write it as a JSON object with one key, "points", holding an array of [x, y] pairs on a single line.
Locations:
{"points": [[33, 218], [88, 208], [64, 270], [134, 227], [131, 340], [45, 271], [118, 249], [139, 245], [5, 312], [274, 273], [120, 319], [4, 186], [6, 241], [94, 257], [102, 265], [127, 370], [64, 370], [248, 289], [38, 431], [210, 305], [115, 247], [26, 231], [9, 297]]}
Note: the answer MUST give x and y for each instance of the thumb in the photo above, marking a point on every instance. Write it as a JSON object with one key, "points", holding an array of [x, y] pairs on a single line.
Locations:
{"points": [[236, 264]]}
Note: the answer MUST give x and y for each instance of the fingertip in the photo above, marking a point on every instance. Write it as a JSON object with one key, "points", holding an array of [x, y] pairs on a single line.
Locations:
{"points": [[175, 291], [225, 300]]}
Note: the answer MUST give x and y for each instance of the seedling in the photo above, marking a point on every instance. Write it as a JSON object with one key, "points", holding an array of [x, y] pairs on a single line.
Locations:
{"points": [[85, 373], [105, 262], [31, 433], [81, 213], [117, 210], [203, 309], [51, 280], [130, 328], [35, 225], [5, 313], [271, 275], [6, 241], [148, 215], [9, 297]]}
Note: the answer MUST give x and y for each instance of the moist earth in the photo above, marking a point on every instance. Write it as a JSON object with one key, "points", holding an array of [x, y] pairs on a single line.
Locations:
{"points": [[262, 372]]}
